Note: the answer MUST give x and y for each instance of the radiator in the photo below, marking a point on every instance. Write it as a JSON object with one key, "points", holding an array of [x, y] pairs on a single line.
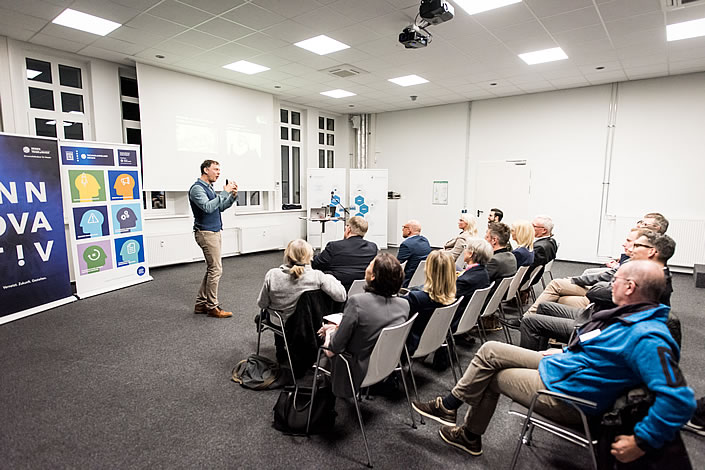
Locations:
{"points": [[263, 238], [174, 248]]}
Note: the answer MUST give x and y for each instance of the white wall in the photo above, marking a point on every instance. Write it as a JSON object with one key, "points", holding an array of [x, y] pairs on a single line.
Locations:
{"points": [[657, 162], [418, 147]]}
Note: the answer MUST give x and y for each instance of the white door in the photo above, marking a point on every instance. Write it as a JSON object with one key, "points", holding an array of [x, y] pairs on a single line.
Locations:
{"points": [[504, 185]]}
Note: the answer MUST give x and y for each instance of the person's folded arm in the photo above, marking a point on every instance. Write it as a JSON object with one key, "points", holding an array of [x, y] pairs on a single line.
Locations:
{"points": [[198, 195]]}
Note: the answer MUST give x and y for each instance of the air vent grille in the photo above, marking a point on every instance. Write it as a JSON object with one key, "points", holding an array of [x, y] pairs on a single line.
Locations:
{"points": [[344, 71]]}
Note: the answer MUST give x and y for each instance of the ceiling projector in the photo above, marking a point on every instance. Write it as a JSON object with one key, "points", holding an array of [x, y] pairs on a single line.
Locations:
{"points": [[413, 38], [436, 11]]}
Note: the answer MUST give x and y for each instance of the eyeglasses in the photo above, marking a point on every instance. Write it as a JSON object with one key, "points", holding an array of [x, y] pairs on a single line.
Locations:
{"points": [[626, 279], [635, 245]]}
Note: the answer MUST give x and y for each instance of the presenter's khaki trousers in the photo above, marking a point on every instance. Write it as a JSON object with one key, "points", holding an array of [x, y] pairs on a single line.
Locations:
{"points": [[210, 243]]}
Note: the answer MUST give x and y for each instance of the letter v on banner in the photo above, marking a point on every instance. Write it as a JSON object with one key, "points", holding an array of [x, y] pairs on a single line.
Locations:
{"points": [[102, 182], [34, 269]]}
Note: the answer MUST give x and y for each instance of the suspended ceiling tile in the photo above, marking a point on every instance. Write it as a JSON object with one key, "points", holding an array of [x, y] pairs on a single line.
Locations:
{"points": [[199, 39], [180, 13], [154, 25], [253, 16], [225, 29], [215, 7]]}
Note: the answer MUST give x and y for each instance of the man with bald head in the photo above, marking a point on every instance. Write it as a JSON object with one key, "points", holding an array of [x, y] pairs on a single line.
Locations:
{"points": [[617, 350], [413, 249]]}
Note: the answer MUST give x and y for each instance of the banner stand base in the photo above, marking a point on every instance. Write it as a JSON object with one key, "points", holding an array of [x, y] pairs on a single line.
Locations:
{"points": [[40, 308], [85, 295]]}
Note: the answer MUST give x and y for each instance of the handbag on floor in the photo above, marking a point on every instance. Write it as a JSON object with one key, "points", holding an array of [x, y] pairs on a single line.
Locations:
{"points": [[260, 373], [291, 410]]}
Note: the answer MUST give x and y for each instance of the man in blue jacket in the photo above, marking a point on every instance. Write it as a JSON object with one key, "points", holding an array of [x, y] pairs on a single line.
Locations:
{"points": [[414, 249], [617, 350], [207, 205]]}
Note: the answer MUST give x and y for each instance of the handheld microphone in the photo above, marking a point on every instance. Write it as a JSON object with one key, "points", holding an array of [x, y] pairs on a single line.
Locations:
{"points": [[226, 181]]}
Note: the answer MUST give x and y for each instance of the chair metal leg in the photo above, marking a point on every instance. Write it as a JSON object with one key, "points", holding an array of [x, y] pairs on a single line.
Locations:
{"points": [[408, 399], [481, 331], [457, 359], [286, 344], [524, 429], [448, 344], [314, 387], [259, 332], [357, 409], [504, 327], [413, 381]]}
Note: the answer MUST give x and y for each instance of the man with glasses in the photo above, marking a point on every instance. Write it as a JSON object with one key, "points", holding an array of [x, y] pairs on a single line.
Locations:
{"points": [[545, 247], [654, 221], [617, 350], [558, 321], [414, 249]]}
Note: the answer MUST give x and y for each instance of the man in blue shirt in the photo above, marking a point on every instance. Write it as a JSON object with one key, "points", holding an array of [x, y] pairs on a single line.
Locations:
{"points": [[207, 205], [617, 350], [414, 249]]}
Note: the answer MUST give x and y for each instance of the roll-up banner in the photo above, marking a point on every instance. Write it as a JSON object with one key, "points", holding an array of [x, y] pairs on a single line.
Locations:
{"points": [[34, 269], [103, 201]]}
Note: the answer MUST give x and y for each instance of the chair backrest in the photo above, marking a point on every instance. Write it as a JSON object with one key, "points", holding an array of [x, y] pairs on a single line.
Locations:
{"points": [[548, 267], [403, 265], [387, 352], [532, 277], [357, 287], [516, 281], [497, 297], [419, 277], [436, 329], [473, 310]]}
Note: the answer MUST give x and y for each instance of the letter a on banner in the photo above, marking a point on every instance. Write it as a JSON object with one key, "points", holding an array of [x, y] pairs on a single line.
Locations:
{"points": [[34, 268]]}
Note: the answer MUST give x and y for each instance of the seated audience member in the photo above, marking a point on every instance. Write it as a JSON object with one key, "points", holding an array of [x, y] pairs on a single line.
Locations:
{"points": [[364, 317], [503, 263], [633, 347], [284, 285], [654, 221], [478, 253], [347, 259], [456, 245], [413, 249], [558, 321], [523, 234], [571, 291], [545, 246], [438, 291], [495, 215]]}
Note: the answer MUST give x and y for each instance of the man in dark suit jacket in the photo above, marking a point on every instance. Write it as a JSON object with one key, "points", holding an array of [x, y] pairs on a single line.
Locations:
{"points": [[477, 254], [348, 258], [413, 249], [503, 263], [545, 246]]}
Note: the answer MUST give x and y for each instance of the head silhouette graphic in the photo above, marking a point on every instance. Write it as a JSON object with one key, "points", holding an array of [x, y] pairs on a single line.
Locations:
{"points": [[124, 184], [126, 218], [95, 257], [130, 252], [88, 187], [92, 223]]}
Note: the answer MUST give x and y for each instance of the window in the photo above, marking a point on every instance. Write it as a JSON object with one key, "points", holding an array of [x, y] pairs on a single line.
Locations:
{"points": [[326, 142], [290, 153], [58, 103]]}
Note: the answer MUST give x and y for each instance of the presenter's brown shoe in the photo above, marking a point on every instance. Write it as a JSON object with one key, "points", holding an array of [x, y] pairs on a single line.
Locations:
{"points": [[218, 312], [200, 308]]}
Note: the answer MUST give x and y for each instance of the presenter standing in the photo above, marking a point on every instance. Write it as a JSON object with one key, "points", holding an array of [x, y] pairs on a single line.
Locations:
{"points": [[207, 205]]}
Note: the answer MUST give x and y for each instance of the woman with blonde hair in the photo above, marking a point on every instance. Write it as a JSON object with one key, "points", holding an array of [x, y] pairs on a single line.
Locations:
{"points": [[284, 285], [468, 226], [523, 234], [438, 291]]}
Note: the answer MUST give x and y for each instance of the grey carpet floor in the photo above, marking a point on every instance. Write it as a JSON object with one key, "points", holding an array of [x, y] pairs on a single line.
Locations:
{"points": [[133, 379]]}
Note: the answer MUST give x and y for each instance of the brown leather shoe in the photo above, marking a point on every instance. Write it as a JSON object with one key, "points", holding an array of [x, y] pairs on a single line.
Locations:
{"points": [[219, 313], [200, 308]]}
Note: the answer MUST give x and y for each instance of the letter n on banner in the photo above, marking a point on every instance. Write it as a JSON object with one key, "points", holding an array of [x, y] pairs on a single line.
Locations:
{"points": [[34, 268]]}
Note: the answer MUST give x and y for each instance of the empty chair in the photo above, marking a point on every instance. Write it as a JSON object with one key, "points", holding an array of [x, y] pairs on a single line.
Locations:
{"points": [[357, 287], [434, 336], [547, 269], [512, 293], [384, 360], [493, 304], [419, 277], [469, 319], [576, 435]]}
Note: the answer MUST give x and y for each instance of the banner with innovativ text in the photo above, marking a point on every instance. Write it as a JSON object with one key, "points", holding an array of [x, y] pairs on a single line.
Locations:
{"points": [[34, 270]]}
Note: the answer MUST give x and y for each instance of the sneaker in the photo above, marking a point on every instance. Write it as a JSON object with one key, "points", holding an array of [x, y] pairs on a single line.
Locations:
{"points": [[218, 312], [434, 409], [692, 426], [456, 437], [696, 423]]}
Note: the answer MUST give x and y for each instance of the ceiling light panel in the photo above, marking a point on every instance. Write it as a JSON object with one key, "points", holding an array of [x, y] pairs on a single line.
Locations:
{"points": [[545, 55], [473, 7], [244, 66], [338, 93], [85, 22], [408, 80], [322, 45], [685, 30]]}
